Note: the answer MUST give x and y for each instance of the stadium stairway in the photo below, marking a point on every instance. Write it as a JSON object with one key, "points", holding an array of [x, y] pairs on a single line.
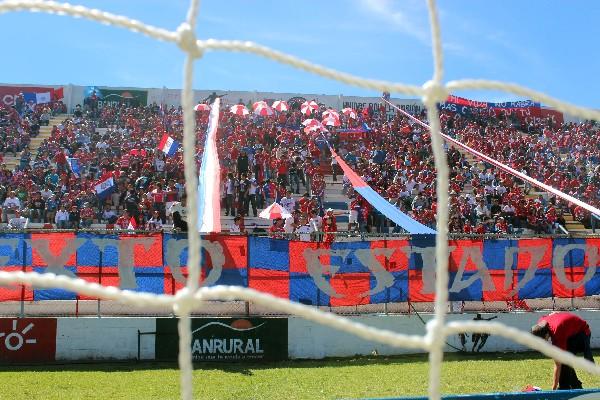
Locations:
{"points": [[334, 198], [45, 131]]}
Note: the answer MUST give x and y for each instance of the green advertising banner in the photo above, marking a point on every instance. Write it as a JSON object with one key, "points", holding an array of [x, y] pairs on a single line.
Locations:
{"points": [[114, 97], [226, 339]]}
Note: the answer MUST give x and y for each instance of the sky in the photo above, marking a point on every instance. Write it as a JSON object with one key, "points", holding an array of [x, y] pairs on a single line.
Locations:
{"points": [[549, 46]]}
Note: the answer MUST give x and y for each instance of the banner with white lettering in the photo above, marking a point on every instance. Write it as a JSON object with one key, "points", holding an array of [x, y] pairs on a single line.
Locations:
{"points": [[337, 274], [226, 339]]}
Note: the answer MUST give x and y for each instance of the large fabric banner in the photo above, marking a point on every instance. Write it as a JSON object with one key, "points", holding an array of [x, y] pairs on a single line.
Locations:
{"points": [[484, 104], [340, 274], [9, 93], [526, 111], [115, 97], [382, 205], [209, 206]]}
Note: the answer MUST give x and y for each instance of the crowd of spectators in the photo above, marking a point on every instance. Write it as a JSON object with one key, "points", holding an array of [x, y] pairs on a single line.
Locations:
{"points": [[274, 159], [21, 122], [564, 156], [398, 163]]}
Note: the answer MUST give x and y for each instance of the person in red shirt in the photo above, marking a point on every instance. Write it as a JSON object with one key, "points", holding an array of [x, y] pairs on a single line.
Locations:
{"points": [[570, 333], [305, 204], [329, 227], [480, 229], [276, 230], [501, 226], [123, 221]]}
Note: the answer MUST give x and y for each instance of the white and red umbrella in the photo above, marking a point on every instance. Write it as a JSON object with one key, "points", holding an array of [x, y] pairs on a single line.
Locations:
{"points": [[201, 107], [316, 127], [349, 112], [308, 107], [275, 210], [259, 104], [331, 121], [239, 109], [263, 109], [280, 106], [330, 113], [311, 122]]}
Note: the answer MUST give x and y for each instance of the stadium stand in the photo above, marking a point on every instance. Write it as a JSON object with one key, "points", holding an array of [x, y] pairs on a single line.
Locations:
{"points": [[273, 158]]}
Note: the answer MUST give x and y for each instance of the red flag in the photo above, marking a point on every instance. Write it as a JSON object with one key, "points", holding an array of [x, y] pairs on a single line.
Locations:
{"points": [[58, 94]]}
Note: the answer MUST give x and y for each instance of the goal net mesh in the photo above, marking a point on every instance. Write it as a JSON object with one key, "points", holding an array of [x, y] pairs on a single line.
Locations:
{"points": [[432, 92]]}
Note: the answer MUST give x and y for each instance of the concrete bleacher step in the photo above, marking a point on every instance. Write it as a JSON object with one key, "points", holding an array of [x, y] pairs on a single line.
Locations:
{"points": [[572, 225], [35, 142]]}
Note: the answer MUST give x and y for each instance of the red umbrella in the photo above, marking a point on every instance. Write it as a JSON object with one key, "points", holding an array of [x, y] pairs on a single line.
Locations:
{"points": [[308, 107], [331, 121], [280, 105], [201, 107], [331, 113], [349, 112], [239, 109], [275, 210], [263, 109]]}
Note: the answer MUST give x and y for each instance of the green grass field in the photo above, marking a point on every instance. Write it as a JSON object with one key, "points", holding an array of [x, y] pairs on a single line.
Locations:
{"points": [[327, 379]]}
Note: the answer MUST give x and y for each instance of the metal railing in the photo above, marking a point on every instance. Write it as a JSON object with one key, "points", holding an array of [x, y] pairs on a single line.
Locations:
{"points": [[385, 234]]}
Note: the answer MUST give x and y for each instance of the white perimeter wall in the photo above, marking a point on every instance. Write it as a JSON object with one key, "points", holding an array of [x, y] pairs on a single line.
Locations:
{"points": [[116, 338], [310, 340], [103, 338]]}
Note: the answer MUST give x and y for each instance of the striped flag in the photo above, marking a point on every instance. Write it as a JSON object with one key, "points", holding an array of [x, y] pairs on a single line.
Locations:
{"points": [[209, 201], [105, 188], [378, 202], [168, 145], [37, 98]]}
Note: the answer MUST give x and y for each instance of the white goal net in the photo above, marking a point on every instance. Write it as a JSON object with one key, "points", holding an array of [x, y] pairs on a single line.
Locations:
{"points": [[432, 92]]}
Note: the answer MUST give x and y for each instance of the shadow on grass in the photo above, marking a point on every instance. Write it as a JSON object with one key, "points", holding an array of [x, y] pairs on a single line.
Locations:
{"points": [[246, 368]]}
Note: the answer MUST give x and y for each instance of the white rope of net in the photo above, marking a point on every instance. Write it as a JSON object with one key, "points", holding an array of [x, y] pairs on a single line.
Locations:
{"points": [[186, 299]]}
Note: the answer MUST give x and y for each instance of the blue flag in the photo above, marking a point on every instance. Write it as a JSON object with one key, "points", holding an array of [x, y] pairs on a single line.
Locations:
{"points": [[74, 166]]}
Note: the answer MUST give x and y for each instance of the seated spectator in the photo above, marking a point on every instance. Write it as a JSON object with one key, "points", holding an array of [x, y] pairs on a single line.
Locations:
{"points": [[123, 221], [303, 230], [109, 216], [155, 223], [236, 226], [10, 205], [276, 230], [18, 222], [37, 208], [419, 202], [178, 223], [87, 216]]}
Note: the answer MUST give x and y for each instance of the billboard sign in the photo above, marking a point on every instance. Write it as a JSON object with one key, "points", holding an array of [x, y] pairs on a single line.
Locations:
{"points": [[25, 340], [226, 339]]}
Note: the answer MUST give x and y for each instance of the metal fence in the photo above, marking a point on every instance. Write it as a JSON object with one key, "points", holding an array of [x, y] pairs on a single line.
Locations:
{"points": [[109, 308]]}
